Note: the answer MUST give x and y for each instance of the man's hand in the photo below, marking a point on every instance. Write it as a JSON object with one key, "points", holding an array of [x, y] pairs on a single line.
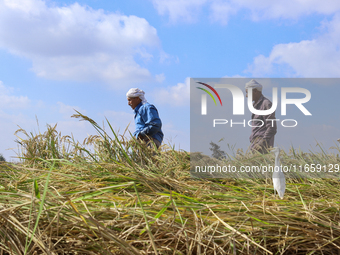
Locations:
{"points": [[264, 143], [143, 138]]}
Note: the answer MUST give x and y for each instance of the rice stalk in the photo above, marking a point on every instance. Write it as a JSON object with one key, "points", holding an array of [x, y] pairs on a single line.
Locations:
{"points": [[96, 202]]}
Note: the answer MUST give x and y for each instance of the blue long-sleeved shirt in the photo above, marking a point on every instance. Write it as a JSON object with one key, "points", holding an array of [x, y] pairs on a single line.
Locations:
{"points": [[147, 121]]}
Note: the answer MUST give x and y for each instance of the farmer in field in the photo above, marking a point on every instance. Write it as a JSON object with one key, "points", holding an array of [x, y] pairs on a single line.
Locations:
{"points": [[263, 128], [147, 121]]}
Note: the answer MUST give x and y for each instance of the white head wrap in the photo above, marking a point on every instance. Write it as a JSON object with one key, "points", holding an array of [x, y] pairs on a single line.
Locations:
{"points": [[136, 92], [254, 85]]}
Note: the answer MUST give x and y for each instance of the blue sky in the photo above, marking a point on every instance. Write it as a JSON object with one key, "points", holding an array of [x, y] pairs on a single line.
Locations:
{"points": [[56, 56]]}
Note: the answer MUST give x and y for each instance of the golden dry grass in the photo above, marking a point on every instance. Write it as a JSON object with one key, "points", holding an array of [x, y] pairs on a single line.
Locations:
{"points": [[126, 199]]}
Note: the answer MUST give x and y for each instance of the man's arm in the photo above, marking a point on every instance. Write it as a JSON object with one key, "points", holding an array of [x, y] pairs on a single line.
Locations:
{"points": [[271, 127], [153, 123]]}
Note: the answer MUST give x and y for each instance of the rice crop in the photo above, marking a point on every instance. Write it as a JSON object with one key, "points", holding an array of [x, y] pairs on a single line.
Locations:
{"points": [[110, 195]]}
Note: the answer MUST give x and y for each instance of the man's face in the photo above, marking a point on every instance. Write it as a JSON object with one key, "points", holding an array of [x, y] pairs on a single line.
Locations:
{"points": [[256, 94], [134, 101]]}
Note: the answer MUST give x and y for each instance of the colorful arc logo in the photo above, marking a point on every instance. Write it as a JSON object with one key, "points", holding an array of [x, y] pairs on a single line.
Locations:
{"points": [[213, 90]]}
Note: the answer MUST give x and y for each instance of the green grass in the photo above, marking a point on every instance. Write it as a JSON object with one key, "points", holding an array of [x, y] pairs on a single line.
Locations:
{"points": [[114, 196]]}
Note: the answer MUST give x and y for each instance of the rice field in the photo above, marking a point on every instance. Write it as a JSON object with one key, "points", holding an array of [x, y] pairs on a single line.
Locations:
{"points": [[110, 195]]}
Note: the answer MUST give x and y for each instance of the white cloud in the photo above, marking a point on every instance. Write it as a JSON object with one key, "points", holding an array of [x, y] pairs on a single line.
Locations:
{"points": [[67, 110], [173, 136], [221, 10], [9, 101], [120, 121], [177, 95], [266, 9], [78, 129], [160, 77], [76, 42], [165, 58], [187, 10], [319, 57], [234, 76], [9, 124]]}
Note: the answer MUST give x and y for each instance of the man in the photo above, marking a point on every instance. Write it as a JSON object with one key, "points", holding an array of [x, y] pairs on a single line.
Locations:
{"points": [[262, 136], [147, 121]]}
